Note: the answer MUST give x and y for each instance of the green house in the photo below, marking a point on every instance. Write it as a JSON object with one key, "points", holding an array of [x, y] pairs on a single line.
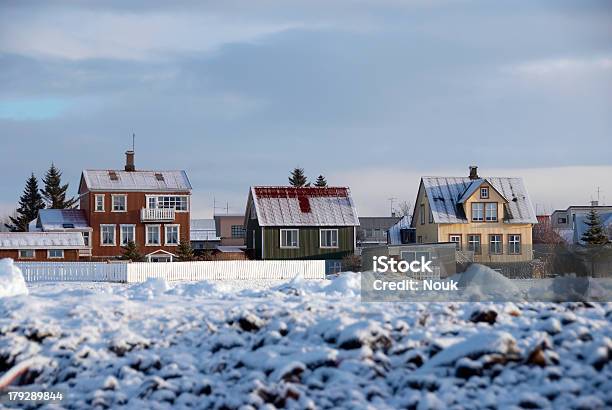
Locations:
{"points": [[300, 223]]}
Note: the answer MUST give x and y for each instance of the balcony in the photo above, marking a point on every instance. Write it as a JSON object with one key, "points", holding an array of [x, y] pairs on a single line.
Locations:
{"points": [[157, 214]]}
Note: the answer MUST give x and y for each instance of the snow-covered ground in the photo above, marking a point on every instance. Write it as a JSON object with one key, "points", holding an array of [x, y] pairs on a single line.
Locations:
{"points": [[301, 344]]}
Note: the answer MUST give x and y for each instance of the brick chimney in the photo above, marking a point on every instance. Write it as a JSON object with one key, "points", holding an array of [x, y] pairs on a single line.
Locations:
{"points": [[129, 161], [474, 172]]}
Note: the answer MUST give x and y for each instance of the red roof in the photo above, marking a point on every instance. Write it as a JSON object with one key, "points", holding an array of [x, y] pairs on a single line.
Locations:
{"points": [[305, 192]]}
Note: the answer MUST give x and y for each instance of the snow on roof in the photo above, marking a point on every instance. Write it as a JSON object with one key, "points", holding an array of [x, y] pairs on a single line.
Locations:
{"points": [[41, 240], [203, 230], [308, 206], [118, 180], [61, 219], [395, 231], [444, 194], [231, 249], [476, 183]]}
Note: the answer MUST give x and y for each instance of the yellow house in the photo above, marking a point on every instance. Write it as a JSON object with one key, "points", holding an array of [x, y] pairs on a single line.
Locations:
{"points": [[492, 217]]}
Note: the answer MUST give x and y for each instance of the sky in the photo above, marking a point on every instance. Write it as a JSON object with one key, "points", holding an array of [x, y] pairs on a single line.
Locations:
{"points": [[370, 94]]}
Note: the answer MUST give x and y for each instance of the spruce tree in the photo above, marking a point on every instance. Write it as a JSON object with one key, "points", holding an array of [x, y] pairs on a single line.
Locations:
{"points": [[321, 181], [131, 252], [54, 192], [297, 178], [595, 234], [184, 251], [29, 204]]}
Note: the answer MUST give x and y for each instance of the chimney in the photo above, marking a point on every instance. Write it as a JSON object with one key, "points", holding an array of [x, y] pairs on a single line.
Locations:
{"points": [[474, 172], [129, 161], [594, 203]]}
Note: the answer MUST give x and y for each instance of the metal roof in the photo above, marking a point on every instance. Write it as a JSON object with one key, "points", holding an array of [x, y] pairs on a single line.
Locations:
{"points": [[61, 219], [445, 194], [41, 240], [308, 206], [203, 230], [118, 180]]}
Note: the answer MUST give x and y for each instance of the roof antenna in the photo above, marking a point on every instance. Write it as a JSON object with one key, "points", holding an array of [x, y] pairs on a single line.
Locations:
{"points": [[133, 142]]}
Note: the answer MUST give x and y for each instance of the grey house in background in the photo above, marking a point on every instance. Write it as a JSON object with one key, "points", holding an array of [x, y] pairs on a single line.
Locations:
{"points": [[569, 223], [373, 230], [203, 234]]}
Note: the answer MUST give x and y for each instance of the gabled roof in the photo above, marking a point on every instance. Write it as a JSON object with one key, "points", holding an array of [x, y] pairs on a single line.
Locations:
{"points": [[41, 240], [444, 194], [473, 186], [61, 219], [119, 180], [308, 206]]}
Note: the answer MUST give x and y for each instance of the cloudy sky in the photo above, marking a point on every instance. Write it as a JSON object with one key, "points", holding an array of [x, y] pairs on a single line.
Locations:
{"points": [[371, 94]]}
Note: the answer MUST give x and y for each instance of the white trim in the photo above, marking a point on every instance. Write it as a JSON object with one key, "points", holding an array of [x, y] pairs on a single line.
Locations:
{"points": [[55, 257], [178, 235], [280, 237], [321, 238], [486, 188], [26, 258], [262, 241], [147, 243], [113, 196], [102, 235], [133, 226], [96, 196], [188, 196]]}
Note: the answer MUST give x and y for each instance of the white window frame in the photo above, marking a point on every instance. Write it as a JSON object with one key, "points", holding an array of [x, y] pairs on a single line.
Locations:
{"points": [[482, 210], [321, 235], [297, 246], [121, 236], [113, 196], [102, 226], [470, 242], [87, 238], [459, 242], [147, 241], [500, 242], [155, 199], [490, 206], [96, 197], [512, 243], [27, 257], [484, 192], [178, 234], [55, 257]]}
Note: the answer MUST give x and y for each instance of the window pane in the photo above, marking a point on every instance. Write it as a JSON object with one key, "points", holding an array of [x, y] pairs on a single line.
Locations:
{"points": [[477, 212], [491, 212], [172, 236]]}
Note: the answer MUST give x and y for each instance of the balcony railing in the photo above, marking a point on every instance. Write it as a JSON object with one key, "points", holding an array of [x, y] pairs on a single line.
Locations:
{"points": [[157, 214]]}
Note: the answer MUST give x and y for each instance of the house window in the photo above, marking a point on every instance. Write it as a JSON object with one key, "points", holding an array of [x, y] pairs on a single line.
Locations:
{"points": [[328, 238], [172, 234], [238, 231], [477, 211], [410, 256], [456, 239], [127, 234], [474, 244], [86, 238], [107, 235], [495, 244], [514, 244], [153, 235], [419, 239], [119, 203], [55, 254], [430, 216], [27, 254], [99, 198], [289, 238], [491, 212], [484, 192], [422, 213], [176, 202], [561, 220]]}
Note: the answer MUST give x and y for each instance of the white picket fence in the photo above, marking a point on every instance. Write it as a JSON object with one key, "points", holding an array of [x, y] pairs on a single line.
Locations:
{"points": [[171, 271]]}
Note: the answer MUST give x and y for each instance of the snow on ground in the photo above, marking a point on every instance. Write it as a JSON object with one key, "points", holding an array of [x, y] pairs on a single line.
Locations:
{"points": [[11, 279], [299, 345]]}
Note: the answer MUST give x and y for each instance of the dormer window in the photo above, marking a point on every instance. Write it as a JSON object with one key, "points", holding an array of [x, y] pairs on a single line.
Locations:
{"points": [[491, 212], [484, 192]]}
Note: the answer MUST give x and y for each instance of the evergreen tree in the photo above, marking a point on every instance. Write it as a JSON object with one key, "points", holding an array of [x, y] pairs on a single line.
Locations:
{"points": [[29, 204], [321, 181], [131, 252], [297, 178], [184, 251], [595, 234], [54, 192]]}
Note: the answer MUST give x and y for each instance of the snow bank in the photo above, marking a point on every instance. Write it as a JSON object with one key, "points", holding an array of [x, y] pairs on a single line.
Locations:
{"points": [[11, 279], [347, 284], [150, 289], [481, 282]]}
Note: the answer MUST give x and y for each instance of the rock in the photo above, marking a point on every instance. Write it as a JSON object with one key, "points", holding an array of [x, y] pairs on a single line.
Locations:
{"points": [[250, 323], [486, 315], [466, 368]]}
